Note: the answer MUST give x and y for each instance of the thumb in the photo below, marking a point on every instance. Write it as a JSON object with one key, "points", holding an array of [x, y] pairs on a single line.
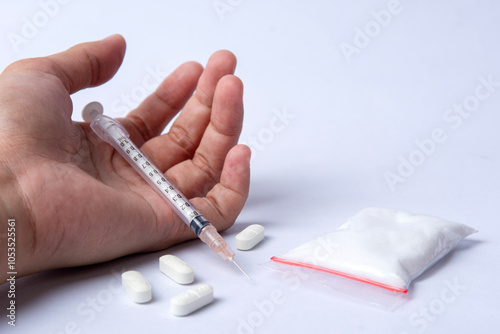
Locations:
{"points": [[89, 64], [84, 65]]}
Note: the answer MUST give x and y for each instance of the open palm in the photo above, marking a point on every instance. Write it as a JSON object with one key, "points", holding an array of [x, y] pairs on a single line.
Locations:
{"points": [[76, 199]]}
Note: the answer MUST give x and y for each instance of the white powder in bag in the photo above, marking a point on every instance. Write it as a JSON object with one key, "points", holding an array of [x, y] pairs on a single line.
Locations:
{"points": [[384, 247]]}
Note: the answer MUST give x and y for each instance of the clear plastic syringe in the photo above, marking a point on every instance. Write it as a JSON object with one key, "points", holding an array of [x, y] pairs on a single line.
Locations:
{"points": [[111, 131]]}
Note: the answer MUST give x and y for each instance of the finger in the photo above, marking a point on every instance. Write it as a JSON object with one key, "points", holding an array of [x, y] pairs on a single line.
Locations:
{"points": [[89, 64], [156, 111], [84, 65], [224, 129], [187, 130], [195, 177], [221, 63], [225, 201]]}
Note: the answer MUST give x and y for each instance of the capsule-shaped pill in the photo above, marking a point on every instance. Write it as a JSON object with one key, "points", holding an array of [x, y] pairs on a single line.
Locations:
{"points": [[136, 286], [192, 300], [176, 269], [249, 237]]}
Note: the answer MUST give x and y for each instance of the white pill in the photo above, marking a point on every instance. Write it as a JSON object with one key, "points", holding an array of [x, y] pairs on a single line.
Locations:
{"points": [[176, 269], [249, 237], [136, 286], [192, 299]]}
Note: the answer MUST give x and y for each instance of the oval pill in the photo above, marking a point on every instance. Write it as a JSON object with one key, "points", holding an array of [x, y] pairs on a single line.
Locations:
{"points": [[249, 237], [136, 286], [192, 300], [176, 269]]}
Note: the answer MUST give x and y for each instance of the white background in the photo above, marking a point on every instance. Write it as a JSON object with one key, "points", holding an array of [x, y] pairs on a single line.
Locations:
{"points": [[352, 118]]}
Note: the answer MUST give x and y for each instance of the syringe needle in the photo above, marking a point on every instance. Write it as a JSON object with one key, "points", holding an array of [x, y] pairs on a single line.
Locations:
{"points": [[244, 273]]}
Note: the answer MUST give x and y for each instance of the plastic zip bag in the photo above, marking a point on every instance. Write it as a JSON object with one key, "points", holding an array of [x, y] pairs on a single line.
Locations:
{"points": [[383, 247]]}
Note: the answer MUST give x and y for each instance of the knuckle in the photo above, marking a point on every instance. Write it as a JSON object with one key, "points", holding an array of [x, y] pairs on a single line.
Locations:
{"points": [[181, 138], [202, 163]]}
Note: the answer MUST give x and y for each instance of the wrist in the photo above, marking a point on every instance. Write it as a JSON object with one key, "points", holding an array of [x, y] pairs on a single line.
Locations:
{"points": [[13, 220]]}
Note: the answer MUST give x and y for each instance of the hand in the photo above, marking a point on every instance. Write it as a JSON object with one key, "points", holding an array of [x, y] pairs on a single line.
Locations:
{"points": [[75, 200]]}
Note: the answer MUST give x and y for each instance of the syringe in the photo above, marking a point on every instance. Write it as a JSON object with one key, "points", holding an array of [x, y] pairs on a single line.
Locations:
{"points": [[111, 131]]}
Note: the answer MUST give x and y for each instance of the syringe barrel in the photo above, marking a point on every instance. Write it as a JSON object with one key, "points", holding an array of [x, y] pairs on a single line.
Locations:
{"points": [[111, 131]]}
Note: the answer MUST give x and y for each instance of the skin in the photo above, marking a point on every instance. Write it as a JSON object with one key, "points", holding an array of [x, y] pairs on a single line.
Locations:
{"points": [[75, 200]]}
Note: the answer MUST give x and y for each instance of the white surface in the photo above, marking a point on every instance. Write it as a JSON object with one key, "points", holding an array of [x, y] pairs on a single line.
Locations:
{"points": [[325, 132]]}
